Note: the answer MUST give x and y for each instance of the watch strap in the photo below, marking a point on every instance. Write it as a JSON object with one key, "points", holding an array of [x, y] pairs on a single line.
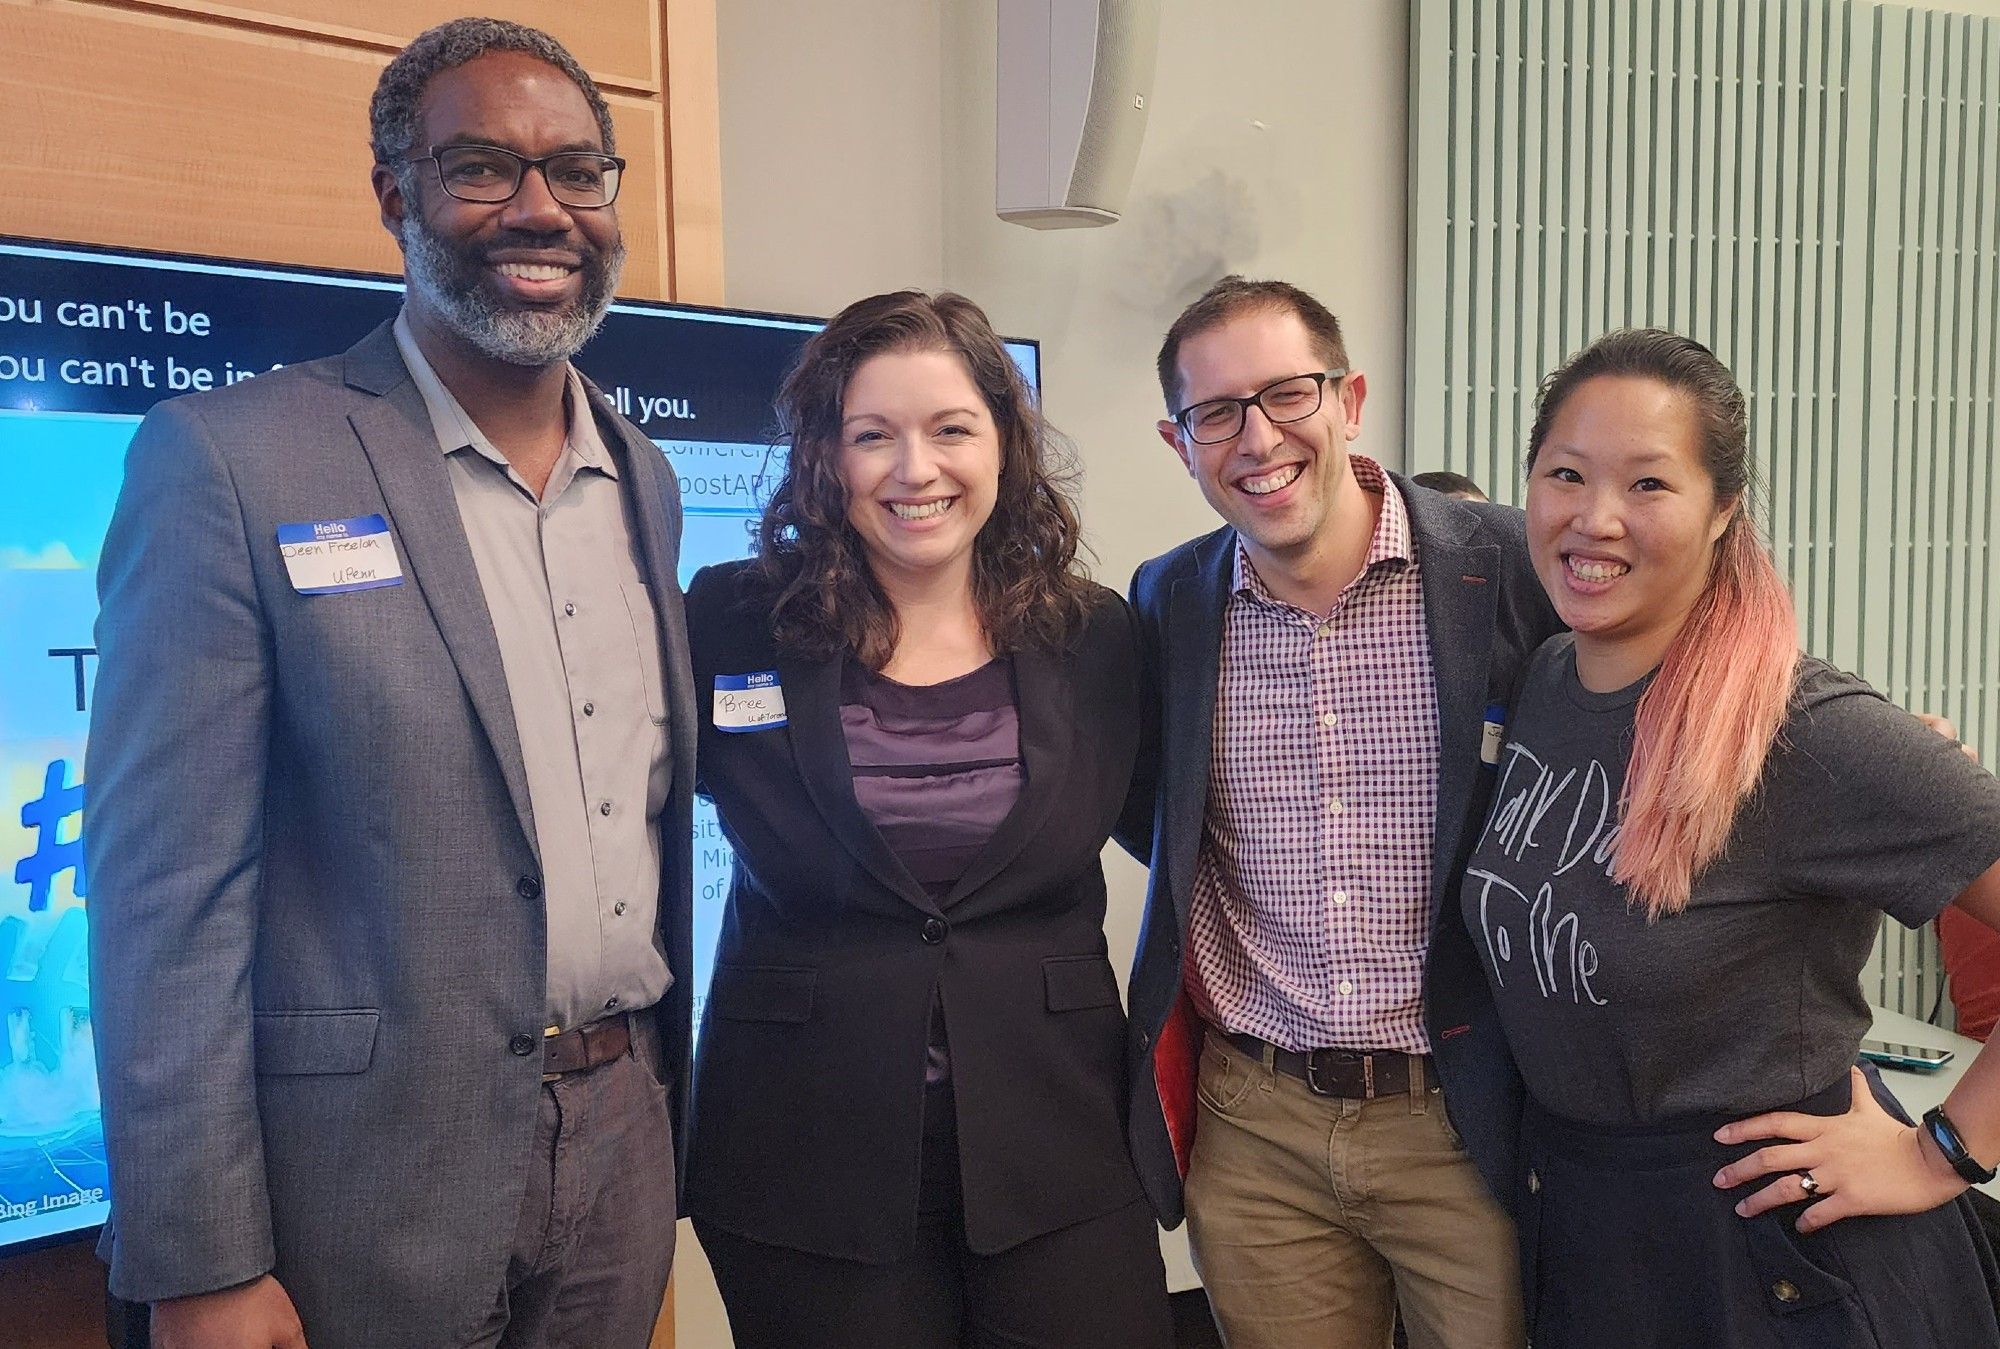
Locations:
{"points": [[1945, 1134]]}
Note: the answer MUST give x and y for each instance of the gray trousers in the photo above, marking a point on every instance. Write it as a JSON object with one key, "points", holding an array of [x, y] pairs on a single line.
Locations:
{"points": [[595, 1239]]}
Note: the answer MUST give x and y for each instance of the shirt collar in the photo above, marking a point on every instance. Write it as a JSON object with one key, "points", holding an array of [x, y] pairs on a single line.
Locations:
{"points": [[1391, 546], [457, 431]]}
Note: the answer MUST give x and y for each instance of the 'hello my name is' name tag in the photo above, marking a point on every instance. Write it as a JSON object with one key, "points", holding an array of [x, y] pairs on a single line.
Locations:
{"points": [[331, 557], [749, 702]]}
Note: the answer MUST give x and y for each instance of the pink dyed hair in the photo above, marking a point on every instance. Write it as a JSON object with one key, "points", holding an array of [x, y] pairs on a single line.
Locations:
{"points": [[1706, 724]]}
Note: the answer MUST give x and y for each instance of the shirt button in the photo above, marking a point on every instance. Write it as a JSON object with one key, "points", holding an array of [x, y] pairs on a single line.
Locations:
{"points": [[1785, 1291], [619, 908], [590, 709], [1534, 1183], [1333, 806], [1323, 630], [1346, 985], [522, 1045], [1340, 897], [934, 930], [528, 888], [603, 807], [611, 1004], [1329, 718], [569, 610]]}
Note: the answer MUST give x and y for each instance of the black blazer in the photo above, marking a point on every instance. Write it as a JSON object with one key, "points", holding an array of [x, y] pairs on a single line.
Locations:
{"points": [[809, 1078], [1486, 613]]}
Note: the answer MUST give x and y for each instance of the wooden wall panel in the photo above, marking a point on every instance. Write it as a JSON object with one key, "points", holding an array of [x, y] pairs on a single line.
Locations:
{"points": [[610, 37], [693, 128], [146, 128]]}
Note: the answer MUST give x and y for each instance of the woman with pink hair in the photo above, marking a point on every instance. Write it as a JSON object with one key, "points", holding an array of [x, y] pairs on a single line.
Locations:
{"points": [[1695, 833]]}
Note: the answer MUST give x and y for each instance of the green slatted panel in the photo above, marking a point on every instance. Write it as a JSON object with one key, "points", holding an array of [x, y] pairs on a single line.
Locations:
{"points": [[1806, 185]]}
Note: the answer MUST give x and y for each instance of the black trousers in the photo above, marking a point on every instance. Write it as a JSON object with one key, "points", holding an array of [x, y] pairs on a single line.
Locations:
{"points": [[1625, 1241], [1098, 1284]]}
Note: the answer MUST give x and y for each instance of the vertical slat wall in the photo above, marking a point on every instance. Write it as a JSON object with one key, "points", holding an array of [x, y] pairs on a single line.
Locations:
{"points": [[1808, 187]]}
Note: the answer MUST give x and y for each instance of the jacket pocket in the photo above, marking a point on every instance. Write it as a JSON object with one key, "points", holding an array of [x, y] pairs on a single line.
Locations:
{"points": [[762, 993], [1075, 983], [330, 1041]]}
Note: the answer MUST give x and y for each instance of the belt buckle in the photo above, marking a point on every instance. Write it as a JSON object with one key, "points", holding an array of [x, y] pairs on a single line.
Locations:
{"points": [[1367, 1062]]}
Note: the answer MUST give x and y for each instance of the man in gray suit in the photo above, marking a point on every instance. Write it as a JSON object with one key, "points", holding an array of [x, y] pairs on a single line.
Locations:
{"points": [[390, 785]]}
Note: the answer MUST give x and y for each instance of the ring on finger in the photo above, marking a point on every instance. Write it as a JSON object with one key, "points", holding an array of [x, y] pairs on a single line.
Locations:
{"points": [[1809, 1184]]}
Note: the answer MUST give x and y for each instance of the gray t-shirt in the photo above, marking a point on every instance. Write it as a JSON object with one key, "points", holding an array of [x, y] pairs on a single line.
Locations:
{"points": [[1751, 998]]}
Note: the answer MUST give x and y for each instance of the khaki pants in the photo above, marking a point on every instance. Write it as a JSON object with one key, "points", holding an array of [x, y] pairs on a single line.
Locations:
{"points": [[1312, 1217]]}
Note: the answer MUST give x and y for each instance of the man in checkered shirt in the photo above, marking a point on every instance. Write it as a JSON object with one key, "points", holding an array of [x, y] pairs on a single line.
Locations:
{"points": [[1310, 1027]]}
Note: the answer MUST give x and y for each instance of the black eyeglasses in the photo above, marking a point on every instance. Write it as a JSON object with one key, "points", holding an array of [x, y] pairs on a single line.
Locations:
{"points": [[489, 175], [1291, 399]]}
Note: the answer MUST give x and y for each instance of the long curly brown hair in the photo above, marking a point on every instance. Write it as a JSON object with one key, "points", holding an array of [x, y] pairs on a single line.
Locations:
{"points": [[1027, 584]]}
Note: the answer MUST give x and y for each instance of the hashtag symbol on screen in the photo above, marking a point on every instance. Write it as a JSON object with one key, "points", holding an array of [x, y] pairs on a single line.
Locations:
{"points": [[45, 815]]}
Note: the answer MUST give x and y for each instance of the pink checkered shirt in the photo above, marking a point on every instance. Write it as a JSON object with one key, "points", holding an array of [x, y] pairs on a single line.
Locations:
{"points": [[1312, 897]]}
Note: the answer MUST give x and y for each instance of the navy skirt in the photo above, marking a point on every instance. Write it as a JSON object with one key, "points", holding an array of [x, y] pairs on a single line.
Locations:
{"points": [[1626, 1244]]}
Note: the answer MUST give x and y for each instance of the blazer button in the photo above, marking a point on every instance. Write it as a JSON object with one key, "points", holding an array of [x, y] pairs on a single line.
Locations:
{"points": [[522, 1045], [528, 888], [934, 930], [1534, 1183], [1785, 1291]]}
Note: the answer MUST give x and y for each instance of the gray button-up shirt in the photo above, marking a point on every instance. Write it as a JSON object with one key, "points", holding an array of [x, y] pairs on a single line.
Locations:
{"points": [[581, 650]]}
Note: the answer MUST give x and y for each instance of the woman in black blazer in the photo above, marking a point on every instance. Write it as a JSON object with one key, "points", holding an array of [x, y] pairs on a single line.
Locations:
{"points": [[920, 727]]}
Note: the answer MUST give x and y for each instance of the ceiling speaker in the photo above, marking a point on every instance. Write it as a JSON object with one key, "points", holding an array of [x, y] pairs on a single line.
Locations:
{"points": [[1074, 81]]}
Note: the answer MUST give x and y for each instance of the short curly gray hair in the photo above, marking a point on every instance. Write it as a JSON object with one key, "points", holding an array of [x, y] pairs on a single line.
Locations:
{"points": [[392, 113]]}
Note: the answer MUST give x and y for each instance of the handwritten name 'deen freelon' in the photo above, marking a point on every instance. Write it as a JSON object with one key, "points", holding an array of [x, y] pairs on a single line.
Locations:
{"points": [[1531, 802]]}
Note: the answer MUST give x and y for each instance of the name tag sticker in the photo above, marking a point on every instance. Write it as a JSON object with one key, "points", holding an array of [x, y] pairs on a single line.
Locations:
{"points": [[1493, 732], [749, 702], [332, 557]]}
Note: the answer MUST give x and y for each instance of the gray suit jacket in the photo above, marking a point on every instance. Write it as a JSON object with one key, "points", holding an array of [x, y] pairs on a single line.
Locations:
{"points": [[318, 947]]}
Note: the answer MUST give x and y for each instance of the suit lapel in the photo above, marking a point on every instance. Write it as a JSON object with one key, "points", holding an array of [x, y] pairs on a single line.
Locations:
{"points": [[1195, 612], [819, 746], [1048, 721], [395, 433], [1461, 585]]}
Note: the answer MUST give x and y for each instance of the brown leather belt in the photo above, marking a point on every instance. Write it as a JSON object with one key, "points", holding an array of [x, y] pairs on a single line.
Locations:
{"points": [[582, 1047], [1360, 1075]]}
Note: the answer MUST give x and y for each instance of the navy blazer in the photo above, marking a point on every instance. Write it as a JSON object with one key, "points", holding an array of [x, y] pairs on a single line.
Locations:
{"points": [[1485, 613], [806, 1119]]}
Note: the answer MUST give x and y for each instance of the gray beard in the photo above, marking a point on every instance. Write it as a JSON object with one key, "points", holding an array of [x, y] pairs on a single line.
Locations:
{"points": [[536, 338]]}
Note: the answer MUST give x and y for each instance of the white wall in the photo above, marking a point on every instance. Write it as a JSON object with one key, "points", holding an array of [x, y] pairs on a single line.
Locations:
{"points": [[832, 166]]}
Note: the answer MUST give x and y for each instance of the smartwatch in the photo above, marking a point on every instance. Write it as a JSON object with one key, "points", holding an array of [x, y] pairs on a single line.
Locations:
{"points": [[1943, 1133]]}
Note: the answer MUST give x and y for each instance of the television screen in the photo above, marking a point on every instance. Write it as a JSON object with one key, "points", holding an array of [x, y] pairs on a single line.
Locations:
{"points": [[89, 340]]}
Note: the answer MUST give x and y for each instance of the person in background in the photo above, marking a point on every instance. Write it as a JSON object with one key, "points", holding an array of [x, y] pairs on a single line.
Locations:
{"points": [[1311, 1033], [1971, 954], [920, 724], [1455, 485], [1695, 834], [389, 842]]}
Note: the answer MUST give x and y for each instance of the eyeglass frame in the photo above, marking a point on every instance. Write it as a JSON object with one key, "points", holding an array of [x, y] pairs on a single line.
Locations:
{"points": [[617, 163], [1320, 379]]}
